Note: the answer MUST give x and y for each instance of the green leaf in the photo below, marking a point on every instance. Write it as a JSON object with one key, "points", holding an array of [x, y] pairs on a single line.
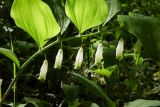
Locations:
{"points": [[155, 90], [94, 88], [11, 104], [75, 104], [59, 13], [8, 53], [114, 8], [103, 72], [132, 84], [137, 46], [36, 18], [146, 29], [71, 92], [143, 103], [37, 102], [86, 14]]}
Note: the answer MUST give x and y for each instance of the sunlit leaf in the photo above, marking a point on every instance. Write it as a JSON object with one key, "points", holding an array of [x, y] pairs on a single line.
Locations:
{"points": [[94, 88], [36, 18], [86, 14], [143, 103], [146, 29], [8, 53], [114, 8], [103, 72]]}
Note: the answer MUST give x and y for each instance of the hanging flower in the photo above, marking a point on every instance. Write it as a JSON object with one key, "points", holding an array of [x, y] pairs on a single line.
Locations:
{"points": [[120, 48], [79, 59], [43, 71], [99, 54], [59, 59]]}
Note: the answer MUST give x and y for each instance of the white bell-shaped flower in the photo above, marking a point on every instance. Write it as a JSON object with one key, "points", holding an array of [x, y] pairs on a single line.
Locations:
{"points": [[99, 54], [120, 48], [79, 59], [43, 71], [59, 59]]}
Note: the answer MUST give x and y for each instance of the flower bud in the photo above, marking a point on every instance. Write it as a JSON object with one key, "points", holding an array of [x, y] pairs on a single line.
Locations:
{"points": [[43, 70], [59, 59], [120, 48], [79, 59], [99, 54]]}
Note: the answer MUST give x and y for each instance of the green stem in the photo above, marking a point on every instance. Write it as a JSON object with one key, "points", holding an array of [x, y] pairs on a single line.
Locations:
{"points": [[0, 89], [34, 56], [14, 72], [14, 86]]}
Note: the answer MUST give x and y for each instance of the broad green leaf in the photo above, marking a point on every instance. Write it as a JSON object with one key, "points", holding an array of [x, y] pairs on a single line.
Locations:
{"points": [[86, 14], [36, 18], [103, 72], [8, 53], [71, 92], [143, 103], [94, 88], [59, 13], [146, 29], [114, 8]]}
